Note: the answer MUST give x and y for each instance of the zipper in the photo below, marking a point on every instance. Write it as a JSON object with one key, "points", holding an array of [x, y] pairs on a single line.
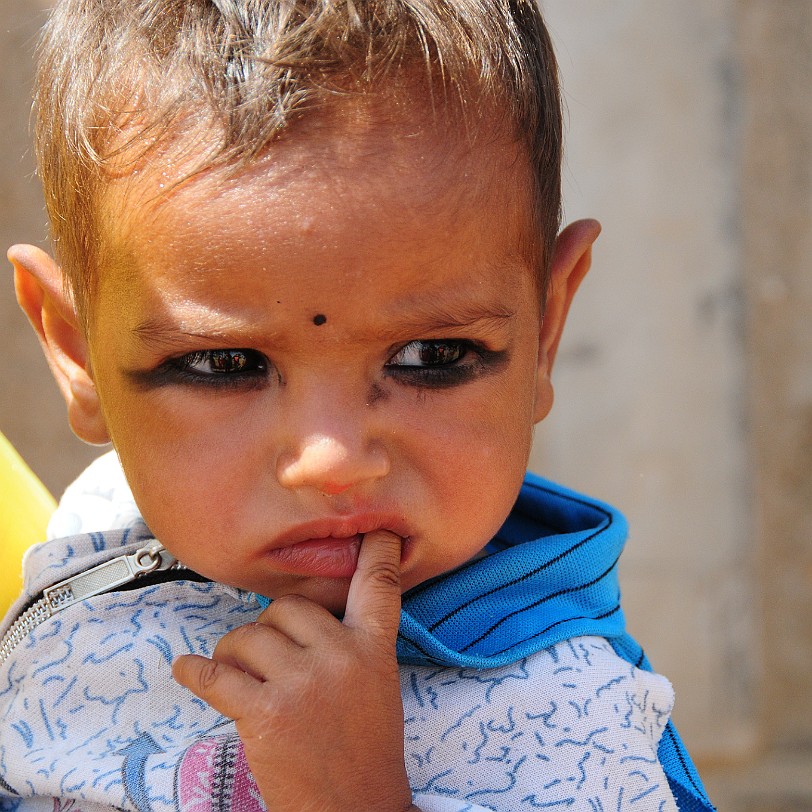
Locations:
{"points": [[105, 577]]}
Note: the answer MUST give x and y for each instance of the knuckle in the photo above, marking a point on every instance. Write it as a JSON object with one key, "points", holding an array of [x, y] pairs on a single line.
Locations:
{"points": [[283, 605], [208, 677], [265, 713], [280, 707], [237, 638], [291, 601], [386, 574], [242, 633]]}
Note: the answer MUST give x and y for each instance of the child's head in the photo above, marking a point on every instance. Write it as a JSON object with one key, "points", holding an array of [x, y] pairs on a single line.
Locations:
{"points": [[308, 246]]}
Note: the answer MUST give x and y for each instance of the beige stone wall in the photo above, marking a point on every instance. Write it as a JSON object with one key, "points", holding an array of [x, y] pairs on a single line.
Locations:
{"points": [[776, 247], [684, 384]]}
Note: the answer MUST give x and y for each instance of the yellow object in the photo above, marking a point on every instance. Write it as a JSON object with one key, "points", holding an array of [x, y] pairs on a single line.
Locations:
{"points": [[25, 507]]}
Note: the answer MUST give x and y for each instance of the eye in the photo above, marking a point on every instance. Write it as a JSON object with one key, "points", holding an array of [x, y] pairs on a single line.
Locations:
{"points": [[221, 362], [428, 354], [443, 363], [219, 367]]}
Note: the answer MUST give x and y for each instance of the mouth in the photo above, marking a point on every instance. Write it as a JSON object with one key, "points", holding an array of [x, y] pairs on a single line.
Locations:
{"points": [[329, 548]]}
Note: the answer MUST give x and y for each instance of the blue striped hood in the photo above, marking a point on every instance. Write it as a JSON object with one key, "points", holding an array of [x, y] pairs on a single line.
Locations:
{"points": [[550, 574]]}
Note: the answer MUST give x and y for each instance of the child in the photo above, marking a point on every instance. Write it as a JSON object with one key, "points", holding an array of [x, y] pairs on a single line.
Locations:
{"points": [[309, 284]]}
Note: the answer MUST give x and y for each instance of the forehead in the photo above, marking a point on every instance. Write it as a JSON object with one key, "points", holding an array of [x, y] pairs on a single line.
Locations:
{"points": [[370, 172], [354, 148]]}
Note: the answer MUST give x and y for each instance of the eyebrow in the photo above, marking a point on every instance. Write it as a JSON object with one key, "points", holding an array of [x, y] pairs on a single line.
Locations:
{"points": [[164, 334], [415, 316], [454, 316]]}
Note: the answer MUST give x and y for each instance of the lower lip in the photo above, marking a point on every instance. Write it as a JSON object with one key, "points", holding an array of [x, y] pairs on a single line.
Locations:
{"points": [[321, 558]]}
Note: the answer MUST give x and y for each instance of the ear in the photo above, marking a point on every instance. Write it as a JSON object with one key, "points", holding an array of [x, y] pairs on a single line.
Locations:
{"points": [[43, 297], [572, 257]]}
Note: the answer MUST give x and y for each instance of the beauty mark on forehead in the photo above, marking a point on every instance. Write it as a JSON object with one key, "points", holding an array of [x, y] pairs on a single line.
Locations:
{"points": [[319, 319]]}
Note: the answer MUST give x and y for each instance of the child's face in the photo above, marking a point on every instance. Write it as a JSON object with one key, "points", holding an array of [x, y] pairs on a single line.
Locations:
{"points": [[344, 338]]}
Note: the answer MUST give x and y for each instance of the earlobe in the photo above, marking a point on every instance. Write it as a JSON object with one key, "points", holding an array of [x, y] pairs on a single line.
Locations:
{"points": [[41, 294], [572, 258]]}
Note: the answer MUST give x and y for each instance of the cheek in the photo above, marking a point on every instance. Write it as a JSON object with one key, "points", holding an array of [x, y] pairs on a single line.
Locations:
{"points": [[493, 430], [474, 456], [188, 467], [472, 472]]}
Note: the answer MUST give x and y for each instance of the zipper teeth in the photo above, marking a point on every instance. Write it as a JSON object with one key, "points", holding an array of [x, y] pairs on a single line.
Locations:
{"points": [[37, 613], [55, 600]]}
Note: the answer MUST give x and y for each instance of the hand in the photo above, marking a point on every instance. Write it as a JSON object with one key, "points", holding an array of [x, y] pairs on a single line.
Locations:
{"points": [[317, 701]]}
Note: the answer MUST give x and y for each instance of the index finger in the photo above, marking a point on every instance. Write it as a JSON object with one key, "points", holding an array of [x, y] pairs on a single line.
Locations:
{"points": [[373, 601]]}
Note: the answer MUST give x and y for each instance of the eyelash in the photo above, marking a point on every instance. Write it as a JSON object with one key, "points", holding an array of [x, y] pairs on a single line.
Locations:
{"points": [[471, 360], [180, 370]]}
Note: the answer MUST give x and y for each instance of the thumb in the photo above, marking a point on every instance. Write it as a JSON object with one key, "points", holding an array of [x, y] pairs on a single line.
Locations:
{"points": [[373, 602]]}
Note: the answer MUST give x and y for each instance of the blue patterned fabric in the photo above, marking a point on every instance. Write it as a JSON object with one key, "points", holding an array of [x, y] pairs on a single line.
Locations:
{"points": [[573, 726]]}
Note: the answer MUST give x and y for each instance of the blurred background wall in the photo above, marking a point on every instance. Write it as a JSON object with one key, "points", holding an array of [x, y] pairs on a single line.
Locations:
{"points": [[684, 383]]}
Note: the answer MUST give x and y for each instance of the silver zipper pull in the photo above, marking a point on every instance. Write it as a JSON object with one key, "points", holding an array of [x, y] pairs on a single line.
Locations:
{"points": [[105, 577], [108, 576]]}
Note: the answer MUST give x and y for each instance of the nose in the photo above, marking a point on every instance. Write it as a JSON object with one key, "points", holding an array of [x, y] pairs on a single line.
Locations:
{"points": [[332, 461], [331, 465]]}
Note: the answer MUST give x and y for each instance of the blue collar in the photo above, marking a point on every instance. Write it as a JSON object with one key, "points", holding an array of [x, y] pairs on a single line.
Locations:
{"points": [[550, 574]]}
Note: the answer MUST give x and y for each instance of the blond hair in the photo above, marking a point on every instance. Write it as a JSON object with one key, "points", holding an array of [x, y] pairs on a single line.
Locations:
{"points": [[118, 78]]}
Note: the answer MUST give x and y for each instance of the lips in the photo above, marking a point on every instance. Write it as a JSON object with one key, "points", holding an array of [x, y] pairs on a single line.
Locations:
{"points": [[329, 548], [328, 557]]}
